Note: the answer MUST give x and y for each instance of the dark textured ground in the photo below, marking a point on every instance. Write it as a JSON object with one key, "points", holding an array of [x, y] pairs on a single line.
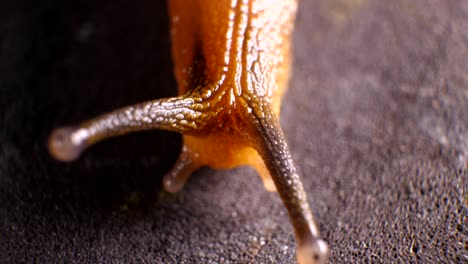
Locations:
{"points": [[376, 117]]}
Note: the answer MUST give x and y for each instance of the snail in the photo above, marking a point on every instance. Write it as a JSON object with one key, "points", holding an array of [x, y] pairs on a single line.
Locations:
{"points": [[232, 64]]}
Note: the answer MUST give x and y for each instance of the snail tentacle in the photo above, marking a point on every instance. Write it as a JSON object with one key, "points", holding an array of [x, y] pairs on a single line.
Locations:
{"points": [[271, 144], [179, 114]]}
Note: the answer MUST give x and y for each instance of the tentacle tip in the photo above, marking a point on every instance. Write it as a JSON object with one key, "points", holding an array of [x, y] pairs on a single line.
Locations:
{"points": [[269, 185], [170, 185], [315, 252], [63, 147]]}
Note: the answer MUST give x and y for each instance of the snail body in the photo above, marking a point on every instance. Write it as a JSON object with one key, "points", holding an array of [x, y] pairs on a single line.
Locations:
{"points": [[232, 63]]}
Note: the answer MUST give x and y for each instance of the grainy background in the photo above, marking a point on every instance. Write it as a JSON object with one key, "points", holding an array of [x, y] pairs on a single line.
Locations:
{"points": [[376, 116]]}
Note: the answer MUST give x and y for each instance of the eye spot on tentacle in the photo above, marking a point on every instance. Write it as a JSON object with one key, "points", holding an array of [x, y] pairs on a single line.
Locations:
{"points": [[67, 143], [315, 252]]}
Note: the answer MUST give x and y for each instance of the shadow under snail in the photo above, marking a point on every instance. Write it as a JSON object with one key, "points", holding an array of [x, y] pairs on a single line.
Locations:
{"points": [[232, 64]]}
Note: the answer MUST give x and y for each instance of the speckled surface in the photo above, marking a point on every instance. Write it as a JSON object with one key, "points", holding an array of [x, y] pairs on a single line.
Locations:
{"points": [[375, 116]]}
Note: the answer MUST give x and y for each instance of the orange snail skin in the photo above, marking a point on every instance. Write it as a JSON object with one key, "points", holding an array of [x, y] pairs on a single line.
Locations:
{"points": [[232, 63]]}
